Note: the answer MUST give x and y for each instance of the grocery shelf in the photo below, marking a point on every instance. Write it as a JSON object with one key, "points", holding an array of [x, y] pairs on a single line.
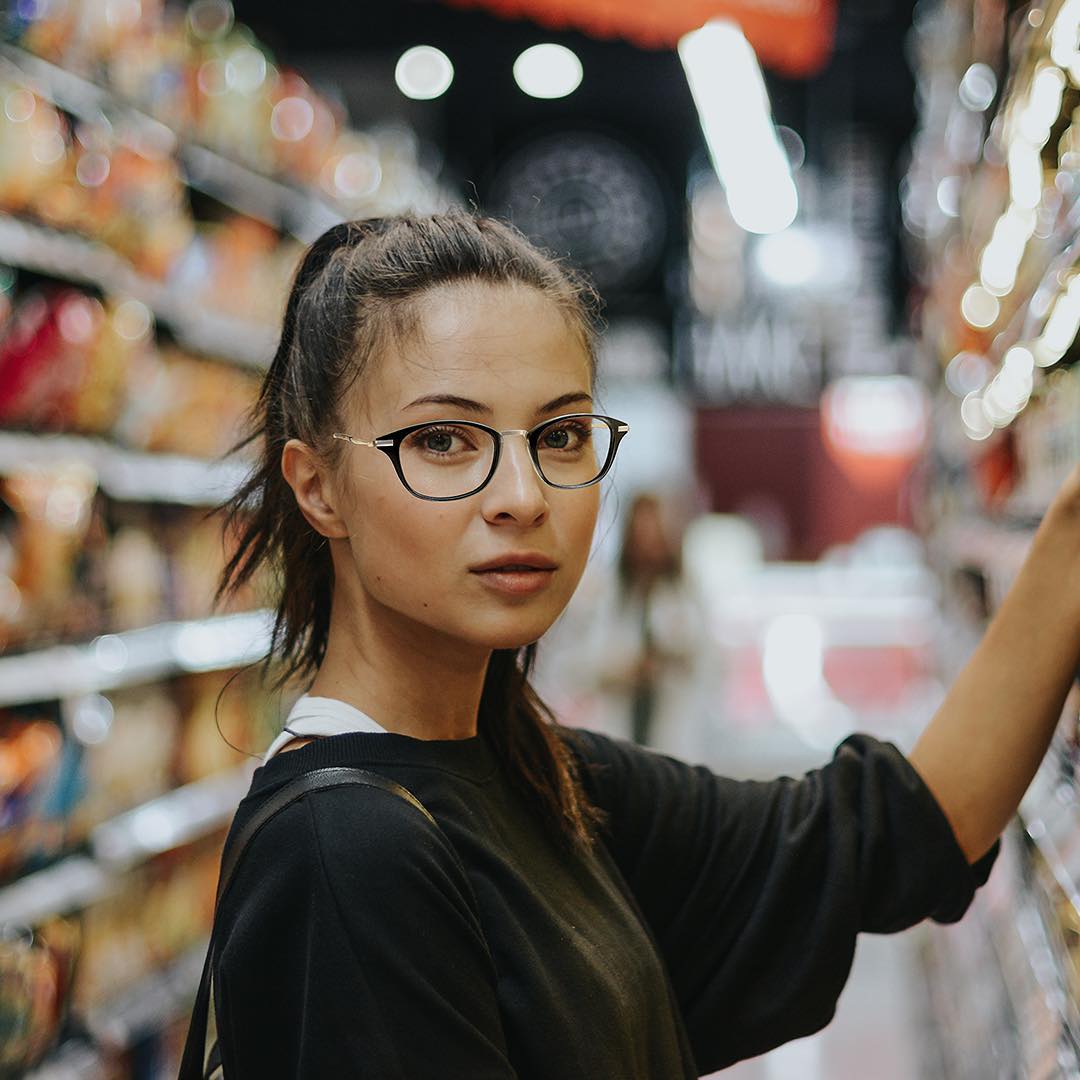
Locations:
{"points": [[301, 212], [997, 549], [1045, 974], [134, 656], [160, 999], [76, 259], [1050, 815], [86, 100], [986, 543], [71, 1061], [170, 821], [127, 475], [68, 885], [177, 818]]}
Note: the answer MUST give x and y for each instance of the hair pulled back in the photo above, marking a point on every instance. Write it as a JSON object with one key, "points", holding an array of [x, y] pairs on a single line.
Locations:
{"points": [[356, 289]]}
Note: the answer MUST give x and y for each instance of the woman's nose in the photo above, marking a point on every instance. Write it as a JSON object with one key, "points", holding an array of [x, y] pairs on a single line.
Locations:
{"points": [[516, 490]]}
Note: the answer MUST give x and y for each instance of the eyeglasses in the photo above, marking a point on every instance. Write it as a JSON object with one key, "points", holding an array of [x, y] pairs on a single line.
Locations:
{"points": [[452, 459]]}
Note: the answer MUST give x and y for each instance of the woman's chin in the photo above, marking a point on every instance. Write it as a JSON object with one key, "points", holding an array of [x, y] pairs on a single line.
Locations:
{"points": [[515, 642], [515, 637]]}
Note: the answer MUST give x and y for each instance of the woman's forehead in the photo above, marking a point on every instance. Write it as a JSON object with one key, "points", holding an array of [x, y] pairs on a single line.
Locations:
{"points": [[508, 347]]}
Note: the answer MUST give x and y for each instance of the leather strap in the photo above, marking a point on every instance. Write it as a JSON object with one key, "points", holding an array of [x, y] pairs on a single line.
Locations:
{"points": [[317, 780]]}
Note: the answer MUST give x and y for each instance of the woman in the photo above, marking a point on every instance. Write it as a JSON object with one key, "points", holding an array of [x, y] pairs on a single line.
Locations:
{"points": [[579, 907]]}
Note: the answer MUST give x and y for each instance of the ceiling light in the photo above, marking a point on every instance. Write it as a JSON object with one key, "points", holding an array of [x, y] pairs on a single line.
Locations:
{"points": [[548, 71], [424, 73]]}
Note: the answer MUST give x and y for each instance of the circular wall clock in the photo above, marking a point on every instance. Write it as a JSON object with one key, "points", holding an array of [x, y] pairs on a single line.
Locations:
{"points": [[590, 198]]}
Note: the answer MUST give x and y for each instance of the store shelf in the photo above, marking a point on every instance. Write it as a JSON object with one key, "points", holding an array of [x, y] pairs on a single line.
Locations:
{"points": [[1050, 815], [69, 885], [127, 475], [87, 101], [1051, 1041], [71, 1061], [279, 204], [75, 259], [997, 549], [991, 546], [255, 195], [135, 656], [168, 822], [156, 1001], [177, 818]]}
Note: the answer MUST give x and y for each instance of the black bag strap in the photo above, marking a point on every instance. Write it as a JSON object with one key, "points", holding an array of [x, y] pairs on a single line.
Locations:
{"points": [[193, 1063]]}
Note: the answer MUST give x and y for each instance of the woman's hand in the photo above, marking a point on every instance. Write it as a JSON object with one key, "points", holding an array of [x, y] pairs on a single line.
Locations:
{"points": [[982, 747]]}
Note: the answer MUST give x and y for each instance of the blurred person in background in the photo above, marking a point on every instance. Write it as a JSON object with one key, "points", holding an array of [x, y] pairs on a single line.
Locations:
{"points": [[540, 902], [634, 655], [660, 641]]}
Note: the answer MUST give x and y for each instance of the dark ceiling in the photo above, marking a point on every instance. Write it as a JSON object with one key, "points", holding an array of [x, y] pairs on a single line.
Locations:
{"points": [[638, 96]]}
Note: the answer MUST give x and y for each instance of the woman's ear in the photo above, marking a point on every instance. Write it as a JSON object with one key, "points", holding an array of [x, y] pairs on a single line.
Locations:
{"points": [[313, 487]]}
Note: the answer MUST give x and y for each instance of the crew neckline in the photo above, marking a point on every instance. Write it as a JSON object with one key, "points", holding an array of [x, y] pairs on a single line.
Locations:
{"points": [[313, 716], [472, 758]]}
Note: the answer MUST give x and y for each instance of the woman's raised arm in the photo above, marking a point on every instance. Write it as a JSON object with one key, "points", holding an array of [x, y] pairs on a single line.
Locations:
{"points": [[981, 749]]}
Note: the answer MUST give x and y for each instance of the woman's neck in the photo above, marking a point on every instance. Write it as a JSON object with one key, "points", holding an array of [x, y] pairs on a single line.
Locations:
{"points": [[404, 680]]}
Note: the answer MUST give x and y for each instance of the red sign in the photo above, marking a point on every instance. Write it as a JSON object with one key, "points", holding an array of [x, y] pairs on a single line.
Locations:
{"points": [[793, 37]]}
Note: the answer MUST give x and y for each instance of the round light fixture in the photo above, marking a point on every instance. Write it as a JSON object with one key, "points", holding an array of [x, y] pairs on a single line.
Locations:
{"points": [[548, 71], [424, 73]]}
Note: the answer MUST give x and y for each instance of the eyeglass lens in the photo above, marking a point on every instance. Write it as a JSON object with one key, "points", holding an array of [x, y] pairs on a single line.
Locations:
{"points": [[446, 459]]}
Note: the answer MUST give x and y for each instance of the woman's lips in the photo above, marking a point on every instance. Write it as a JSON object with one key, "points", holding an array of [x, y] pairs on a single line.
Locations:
{"points": [[516, 582]]}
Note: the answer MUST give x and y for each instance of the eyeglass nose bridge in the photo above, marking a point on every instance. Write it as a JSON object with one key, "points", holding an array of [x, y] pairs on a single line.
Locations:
{"points": [[524, 433]]}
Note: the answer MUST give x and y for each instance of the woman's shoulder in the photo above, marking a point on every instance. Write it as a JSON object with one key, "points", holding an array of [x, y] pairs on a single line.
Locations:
{"points": [[595, 748], [608, 765], [356, 822]]}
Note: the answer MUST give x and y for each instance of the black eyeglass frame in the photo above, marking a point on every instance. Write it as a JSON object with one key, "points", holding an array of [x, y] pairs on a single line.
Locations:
{"points": [[390, 445]]}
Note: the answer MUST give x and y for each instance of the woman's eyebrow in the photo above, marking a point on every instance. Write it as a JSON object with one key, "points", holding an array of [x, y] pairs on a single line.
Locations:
{"points": [[479, 407]]}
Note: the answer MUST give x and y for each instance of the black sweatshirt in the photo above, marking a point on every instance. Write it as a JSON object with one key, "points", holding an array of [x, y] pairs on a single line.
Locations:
{"points": [[715, 919]]}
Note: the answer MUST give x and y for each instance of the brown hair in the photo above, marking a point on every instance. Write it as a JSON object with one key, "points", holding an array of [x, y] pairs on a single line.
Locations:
{"points": [[356, 285]]}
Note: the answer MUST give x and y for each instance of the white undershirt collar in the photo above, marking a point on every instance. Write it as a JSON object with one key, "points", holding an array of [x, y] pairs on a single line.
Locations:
{"points": [[313, 717]]}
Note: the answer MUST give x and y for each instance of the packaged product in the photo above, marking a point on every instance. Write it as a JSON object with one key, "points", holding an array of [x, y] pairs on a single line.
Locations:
{"points": [[30, 754], [131, 761], [36, 968], [56, 534]]}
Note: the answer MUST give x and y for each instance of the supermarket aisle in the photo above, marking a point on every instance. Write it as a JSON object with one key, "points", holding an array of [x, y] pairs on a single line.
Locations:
{"points": [[878, 624], [875, 1032]]}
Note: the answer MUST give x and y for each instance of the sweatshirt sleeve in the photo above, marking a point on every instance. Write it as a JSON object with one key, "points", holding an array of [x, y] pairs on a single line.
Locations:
{"points": [[351, 948], [755, 891]]}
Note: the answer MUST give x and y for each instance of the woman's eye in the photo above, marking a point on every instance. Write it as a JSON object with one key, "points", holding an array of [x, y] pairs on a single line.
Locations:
{"points": [[566, 437], [439, 441]]}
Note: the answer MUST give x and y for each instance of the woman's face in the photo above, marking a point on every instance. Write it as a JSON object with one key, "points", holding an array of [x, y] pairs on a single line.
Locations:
{"points": [[511, 352]]}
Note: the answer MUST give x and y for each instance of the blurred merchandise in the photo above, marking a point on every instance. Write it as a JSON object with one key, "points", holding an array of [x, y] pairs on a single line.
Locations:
{"points": [[53, 532], [68, 362], [222, 723], [156, 912], [75, 176], [207, 79], [990, 206], [237, 266], [128, 753], [36, 968], [114, 954], [73, 564], [30, 763], [110, 753]]}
